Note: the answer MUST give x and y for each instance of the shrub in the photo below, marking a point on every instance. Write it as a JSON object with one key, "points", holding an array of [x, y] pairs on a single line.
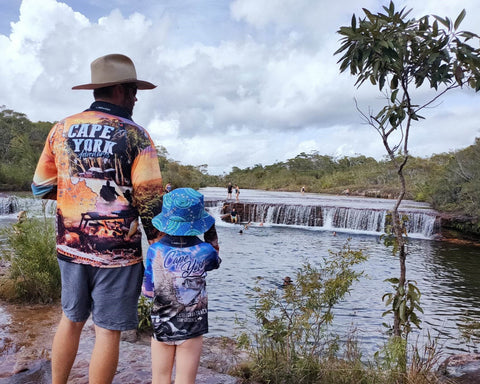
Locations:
{"points": [[143, 309], [291, 340], [29, 250]]}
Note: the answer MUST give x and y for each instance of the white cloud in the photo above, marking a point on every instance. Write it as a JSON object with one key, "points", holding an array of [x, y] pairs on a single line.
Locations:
{"points": [[239, 83]]}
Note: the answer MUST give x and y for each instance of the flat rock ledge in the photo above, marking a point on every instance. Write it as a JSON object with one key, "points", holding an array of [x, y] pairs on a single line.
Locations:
{"points": [[33, 366], [463, 369]]}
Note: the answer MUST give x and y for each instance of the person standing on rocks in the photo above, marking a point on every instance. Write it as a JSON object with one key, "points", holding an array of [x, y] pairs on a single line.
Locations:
{"points": [[237, 193], [175, 272], [101, 268]]}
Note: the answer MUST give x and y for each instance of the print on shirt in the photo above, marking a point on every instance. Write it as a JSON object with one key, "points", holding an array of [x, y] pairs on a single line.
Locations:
{"points": [[97, 218], [177, 276]]}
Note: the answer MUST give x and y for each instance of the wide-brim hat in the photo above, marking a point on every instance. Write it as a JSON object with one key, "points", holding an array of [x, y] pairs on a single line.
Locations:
{"points": [[183, 214], [111, 70]]}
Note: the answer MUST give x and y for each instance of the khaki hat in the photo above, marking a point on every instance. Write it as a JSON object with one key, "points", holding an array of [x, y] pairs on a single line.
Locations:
{"points": [[112, 70]]}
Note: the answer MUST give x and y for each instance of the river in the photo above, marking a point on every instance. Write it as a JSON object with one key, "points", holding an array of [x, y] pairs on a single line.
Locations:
{"points": [[448, 275]]}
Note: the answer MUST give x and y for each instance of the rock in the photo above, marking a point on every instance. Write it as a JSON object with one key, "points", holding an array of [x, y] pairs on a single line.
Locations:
{"points": [[464, 369], [219, 356], [38, 372]]}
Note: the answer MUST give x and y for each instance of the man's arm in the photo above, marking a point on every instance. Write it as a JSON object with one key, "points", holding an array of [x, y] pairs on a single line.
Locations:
{"points": [[147, 189], [45, 178]]}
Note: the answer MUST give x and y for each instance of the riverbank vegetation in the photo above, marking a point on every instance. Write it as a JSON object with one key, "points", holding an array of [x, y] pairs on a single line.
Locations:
{"points": [[448, 181], [290, 338], [29, 252], [400, 54]]}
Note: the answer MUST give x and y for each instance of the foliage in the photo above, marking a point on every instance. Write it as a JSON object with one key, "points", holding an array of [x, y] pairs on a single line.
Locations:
{"points": [[291, 340], [400, 54], [457, 189], [21, 143], [143, 309], [422, 367], [182, 176], [30, 251], [406, 303]]}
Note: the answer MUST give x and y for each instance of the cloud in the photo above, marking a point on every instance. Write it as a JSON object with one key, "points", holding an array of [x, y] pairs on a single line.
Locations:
{"points": [[239, 83]]}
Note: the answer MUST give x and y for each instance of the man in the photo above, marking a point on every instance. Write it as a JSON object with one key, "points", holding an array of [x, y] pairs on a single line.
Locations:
{"points": [[98, 239]]}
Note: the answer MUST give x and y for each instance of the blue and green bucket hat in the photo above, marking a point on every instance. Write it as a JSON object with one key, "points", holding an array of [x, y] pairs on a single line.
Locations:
{"points": [[183, 214]]}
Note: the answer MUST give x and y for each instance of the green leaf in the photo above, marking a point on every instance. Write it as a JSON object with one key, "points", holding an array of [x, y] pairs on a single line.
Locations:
{"points": [[369, 14], [394, 95], [391, 8], [394, 82], [381, 82], [445, 22], [459, 75], [402, 311], [460, 18], [435, 28], [468, 35], [393, 280]]}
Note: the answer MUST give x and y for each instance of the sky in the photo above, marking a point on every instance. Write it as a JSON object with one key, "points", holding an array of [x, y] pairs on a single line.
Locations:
{"points": [[239, 82]]}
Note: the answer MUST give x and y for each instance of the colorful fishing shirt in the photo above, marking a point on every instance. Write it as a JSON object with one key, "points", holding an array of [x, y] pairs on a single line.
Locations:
{"points": [[175, 272], [102, 168]]}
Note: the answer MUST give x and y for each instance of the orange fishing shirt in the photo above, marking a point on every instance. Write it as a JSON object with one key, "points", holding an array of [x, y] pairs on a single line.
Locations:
{"points": [[103, 170]]}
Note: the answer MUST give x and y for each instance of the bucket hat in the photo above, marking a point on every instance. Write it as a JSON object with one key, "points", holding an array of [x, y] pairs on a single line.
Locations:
{"points": [[183, 214], [111, 70]]}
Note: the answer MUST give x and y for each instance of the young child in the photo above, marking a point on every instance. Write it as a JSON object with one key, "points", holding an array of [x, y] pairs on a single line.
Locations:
{"points": [[175, 273]]}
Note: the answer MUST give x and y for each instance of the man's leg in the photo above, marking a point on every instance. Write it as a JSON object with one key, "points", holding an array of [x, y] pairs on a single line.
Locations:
{"points": [[64, 349], [163, 356], [187, 360], [104, 359], [115, 301]]}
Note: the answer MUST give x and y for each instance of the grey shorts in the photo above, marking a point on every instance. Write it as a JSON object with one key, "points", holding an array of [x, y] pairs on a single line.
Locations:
{"points": [[109, 294]]}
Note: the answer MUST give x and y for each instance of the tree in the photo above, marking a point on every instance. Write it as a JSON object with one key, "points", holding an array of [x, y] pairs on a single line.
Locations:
{"points": [[400, 54]]}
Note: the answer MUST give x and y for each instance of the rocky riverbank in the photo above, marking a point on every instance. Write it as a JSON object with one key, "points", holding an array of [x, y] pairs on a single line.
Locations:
{"points": [[25, 355]]}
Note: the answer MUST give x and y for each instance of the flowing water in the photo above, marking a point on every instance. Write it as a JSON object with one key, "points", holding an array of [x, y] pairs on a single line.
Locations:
{"points": [[448, 275]]}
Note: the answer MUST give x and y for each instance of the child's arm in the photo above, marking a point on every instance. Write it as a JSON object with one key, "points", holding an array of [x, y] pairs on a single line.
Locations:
{"points": [[211, 237], [147, 291], [212, 260]]}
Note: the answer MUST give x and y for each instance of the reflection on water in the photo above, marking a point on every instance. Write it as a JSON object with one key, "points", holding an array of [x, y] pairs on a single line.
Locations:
{"points": [[447, 275]]}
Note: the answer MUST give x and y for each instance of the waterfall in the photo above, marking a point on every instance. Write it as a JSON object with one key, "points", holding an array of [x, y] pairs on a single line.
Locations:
{"points": [[419, 223], [8, 205], [367, 220], [13, 204]]}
